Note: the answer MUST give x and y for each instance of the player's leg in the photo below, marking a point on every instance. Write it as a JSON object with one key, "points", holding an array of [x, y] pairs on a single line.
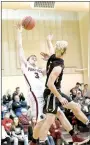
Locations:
{"points": [[40, 121], [50, 108], [36, 132], [50, 118], [33, 106], [68, 127], [64, 121], [76, 109]]}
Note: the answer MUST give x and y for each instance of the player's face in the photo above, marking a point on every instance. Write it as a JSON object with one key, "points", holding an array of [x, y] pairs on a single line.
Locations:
{"points": [[33, 60]]}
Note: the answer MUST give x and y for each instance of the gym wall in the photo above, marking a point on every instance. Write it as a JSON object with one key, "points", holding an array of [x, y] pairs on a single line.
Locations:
{"points": [[64, 25]]}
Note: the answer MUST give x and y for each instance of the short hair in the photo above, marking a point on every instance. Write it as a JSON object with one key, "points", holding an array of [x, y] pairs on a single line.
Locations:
{"points": [[17, 88], [85, 85], [31, 56], [78, 84], [61, 47]]}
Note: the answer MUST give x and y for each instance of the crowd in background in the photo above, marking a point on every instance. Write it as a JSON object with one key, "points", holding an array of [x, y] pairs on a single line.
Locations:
{"points": [[18, 123]]}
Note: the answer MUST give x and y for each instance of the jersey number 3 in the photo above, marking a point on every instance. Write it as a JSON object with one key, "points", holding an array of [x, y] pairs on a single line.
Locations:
{"points": [[36, 75]]}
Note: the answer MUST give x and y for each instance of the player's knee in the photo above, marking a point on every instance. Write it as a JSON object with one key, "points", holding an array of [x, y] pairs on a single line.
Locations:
{"points": [[76, 107]]}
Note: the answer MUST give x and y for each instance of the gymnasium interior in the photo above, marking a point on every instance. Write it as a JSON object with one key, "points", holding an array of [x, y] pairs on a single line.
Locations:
{"points": [[69, 21]]}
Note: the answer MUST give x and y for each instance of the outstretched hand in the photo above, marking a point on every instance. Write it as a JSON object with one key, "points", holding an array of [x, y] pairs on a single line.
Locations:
{"points": [[45, 56], [19, 26], [50, 37]]}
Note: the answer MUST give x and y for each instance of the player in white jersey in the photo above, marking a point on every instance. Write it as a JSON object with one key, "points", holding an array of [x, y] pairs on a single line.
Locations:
{"points": [[33, 76]]}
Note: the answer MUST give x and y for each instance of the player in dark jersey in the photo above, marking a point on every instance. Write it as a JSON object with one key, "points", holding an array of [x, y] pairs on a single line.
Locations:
{"points": [[53, 96]]}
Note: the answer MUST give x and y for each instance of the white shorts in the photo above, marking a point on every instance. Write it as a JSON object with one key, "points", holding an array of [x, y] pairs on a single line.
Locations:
{"points": [[36, 104]]}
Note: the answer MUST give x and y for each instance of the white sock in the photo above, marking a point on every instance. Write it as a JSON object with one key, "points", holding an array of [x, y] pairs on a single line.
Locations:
{"points": [[41, 141], [87, 122]]}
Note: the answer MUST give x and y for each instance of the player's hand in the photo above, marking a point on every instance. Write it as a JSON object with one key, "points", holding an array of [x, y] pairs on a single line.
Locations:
{"points": [[19, 26], [63, 101], [45, 56], [50, 37]]}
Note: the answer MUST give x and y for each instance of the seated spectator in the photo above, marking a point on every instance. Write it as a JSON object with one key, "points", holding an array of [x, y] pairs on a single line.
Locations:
{"points": [[25, 122], [73, 93], [17, 91], [55, 131], [17, 105], [50, 140], [18, 133], [7, 123], [85, 90], [77, 87], [4, 110], [7, 98], [79, 98], [5, 137], [86, 105]]}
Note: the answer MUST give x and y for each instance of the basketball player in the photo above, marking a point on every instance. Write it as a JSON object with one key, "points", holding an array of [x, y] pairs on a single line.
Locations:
{"points": [[33, 76], [53, 96], [65, 123]]}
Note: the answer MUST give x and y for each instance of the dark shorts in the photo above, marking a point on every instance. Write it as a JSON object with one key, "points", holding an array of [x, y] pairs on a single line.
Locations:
{"points": [[51, 102]]}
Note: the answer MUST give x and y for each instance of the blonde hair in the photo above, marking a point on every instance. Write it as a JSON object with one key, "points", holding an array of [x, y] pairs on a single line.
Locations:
{"points": [[60, 47]]}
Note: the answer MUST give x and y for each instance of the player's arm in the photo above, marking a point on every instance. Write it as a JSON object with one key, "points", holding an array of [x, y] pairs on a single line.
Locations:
{"points": [[50, 45], [44, 55], [19, 43], [52, 78]]}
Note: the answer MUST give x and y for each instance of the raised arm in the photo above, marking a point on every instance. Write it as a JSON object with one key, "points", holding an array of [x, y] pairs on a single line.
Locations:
{"points": [[52, 78], [50, 45], [19, 43], [46, 56]]}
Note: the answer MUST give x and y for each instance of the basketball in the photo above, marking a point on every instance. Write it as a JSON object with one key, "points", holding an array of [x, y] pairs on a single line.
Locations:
{"points": [[28, 23]]}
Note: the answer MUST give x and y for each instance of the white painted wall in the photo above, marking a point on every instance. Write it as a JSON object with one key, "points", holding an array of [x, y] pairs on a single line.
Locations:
{"points": [[11, 82]]}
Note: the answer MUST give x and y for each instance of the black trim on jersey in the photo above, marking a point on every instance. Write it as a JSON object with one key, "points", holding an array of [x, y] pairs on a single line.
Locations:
{"points": [[33, 96]]}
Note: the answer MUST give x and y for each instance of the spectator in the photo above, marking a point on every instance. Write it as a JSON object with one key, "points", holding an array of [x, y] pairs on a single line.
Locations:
{"points": [[25, 122], [5, 137], [85, 90], [86, 105], [73, 93], [77, 87], [55, 131], [50, 140], [7, 123], [7, 98], [18, 133], [17, 91], [79, 98], [4, 110], [17, 105]]}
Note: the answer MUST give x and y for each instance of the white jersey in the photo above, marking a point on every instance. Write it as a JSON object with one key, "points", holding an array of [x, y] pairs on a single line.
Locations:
{"points": [[33, 76]]}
